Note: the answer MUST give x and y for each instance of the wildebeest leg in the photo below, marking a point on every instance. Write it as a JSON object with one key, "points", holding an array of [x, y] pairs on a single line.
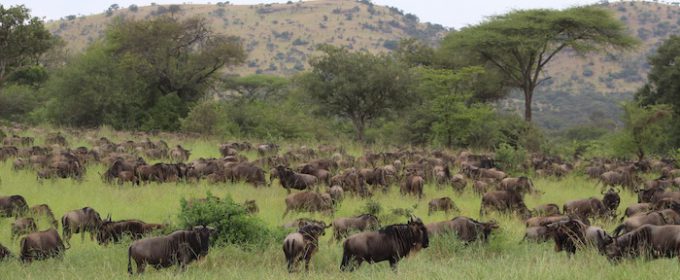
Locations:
{"points": [[393, 264], [345, 264], [141, 266]]}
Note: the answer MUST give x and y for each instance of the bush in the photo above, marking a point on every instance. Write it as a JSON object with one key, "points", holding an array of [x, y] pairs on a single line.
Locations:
{"points": [[371, 207], [16, 101], [510, 158], [232, 222]]}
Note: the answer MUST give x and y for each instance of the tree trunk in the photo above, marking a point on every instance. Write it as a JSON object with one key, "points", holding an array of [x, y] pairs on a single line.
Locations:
{"points": [[359, 126], [528, 94]]}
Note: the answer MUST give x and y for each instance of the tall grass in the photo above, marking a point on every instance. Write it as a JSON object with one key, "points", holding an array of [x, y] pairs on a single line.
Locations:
{"points": [[504, 257]]}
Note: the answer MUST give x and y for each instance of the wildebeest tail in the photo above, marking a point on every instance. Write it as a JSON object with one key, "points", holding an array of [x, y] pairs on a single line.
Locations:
{"points": [[65, 229], [129, 260]]}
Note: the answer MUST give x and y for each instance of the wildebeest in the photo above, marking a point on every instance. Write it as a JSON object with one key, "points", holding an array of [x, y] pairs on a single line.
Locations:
{"points": [[41, 245], [649, 240], [301, 245], [337, 194], [445, 204], [40, 211], [458, 183], [548, 209], [586, 208], [663, 217], [568, 235], [80, 221], [309, 201], [466, 229], [23, 226], [114, 231], [179, 154], [301, 222], [178, 248], [522, 185], [611, 201], [343, 226], [655, 194], [13, 206], [636, 208], [480, 187], [290, 179], [391, 243], [413, 185], [508, 201]]}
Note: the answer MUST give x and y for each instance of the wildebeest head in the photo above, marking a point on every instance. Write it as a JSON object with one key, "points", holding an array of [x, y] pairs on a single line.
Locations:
{"points": [[203, 234], [371, 221], [419, 232], [312, 231], [611, 200]]}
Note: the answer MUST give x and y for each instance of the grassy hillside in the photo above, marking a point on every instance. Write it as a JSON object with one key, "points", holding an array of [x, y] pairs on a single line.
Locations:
{"points": [[279, 38]]}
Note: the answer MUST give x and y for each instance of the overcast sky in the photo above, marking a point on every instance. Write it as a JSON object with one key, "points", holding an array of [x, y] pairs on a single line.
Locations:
{"points": [[450, 13]]}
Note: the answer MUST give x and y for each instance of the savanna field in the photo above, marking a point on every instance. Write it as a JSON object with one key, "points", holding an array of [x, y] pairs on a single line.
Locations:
{"points": [[504, 257]]}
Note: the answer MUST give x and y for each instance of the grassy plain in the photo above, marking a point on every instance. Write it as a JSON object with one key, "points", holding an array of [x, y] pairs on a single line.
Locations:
{"points": [[503, 258]]}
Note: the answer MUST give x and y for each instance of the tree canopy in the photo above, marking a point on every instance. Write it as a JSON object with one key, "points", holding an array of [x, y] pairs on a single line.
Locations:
{"points": [[142, 74], [521, 43], [22, 40], [358, 86]]}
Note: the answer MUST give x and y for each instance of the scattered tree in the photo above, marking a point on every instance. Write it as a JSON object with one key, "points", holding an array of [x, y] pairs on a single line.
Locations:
{"points": [[521, 43]]}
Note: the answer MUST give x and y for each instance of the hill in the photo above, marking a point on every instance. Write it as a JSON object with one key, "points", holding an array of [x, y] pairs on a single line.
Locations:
{"points": [[279, 38]]}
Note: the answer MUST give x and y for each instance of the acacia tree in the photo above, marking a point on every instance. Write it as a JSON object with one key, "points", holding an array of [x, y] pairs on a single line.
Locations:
{"points": [[22, 40], [520, 44], [358, 86]]}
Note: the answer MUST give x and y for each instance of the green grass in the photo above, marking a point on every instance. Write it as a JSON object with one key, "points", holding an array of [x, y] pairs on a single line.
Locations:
{"points": [[503, 258]]}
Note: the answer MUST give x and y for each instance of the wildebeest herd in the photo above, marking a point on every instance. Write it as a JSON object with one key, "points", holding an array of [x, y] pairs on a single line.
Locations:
{"points": [[319, 179]]}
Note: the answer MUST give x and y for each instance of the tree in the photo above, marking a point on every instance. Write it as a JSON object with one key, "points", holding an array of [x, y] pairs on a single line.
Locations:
{"points": [[645, 130], [256, 87], [22, 39], [141, 75], [358, 86], [521, 43]]}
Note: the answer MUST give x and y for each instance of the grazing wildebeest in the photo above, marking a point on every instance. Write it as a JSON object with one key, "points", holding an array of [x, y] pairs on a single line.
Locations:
{"points": [[23, 226], [586, 208], [301, 245], [13, 206], [43, 210], [41, 245], [4, 253], [337, 194], [522, 185], [441, 204], [391, 243], [549, 209], [179, 154], [458, 183], [309, 201], [413, 185], [536, 234], [80, 221], [342, 226], [635, 209], [466, 229], [655, 194], [649, 240], [290, 179], [114, 231], [544, 220], [571, 234], [178, 248], [663, 217], [480, 187], [508, 201]]}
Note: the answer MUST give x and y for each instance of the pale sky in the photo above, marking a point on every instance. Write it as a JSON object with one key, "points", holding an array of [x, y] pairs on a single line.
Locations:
{"points": [[449, 13]]}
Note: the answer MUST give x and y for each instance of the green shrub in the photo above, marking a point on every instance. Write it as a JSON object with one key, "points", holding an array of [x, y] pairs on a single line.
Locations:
{"points": [[232, 222], [16, 101], [510, 158]]}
